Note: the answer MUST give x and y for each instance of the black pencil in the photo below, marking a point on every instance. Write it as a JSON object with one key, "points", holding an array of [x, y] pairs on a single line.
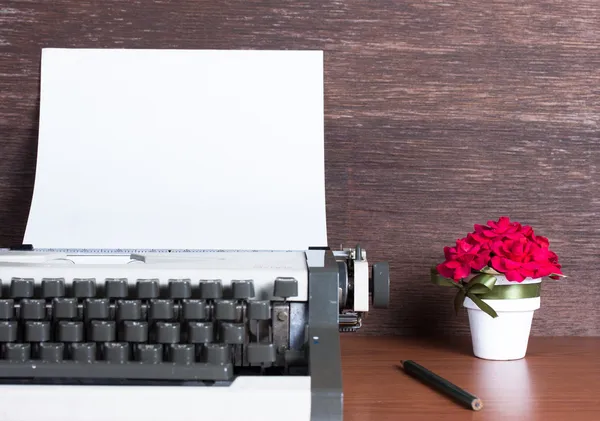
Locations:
{"points": [[443, 385]]}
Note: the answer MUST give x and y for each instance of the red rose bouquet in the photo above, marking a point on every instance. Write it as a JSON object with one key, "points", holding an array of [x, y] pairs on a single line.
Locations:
{"points": [[500, 248]]}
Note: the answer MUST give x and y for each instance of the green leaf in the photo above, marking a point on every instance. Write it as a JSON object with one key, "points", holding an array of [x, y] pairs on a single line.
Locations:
{"points": [[458, 300], [479, 289], [438, 279], [483, 279], [489, 270], [445, 282]]}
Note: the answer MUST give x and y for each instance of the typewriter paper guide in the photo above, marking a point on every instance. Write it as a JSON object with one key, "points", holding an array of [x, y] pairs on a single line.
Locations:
{"points": [[180, 149]]}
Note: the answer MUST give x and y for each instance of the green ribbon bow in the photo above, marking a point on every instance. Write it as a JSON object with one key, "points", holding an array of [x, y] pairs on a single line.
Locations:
{"points": [[483, 287]]}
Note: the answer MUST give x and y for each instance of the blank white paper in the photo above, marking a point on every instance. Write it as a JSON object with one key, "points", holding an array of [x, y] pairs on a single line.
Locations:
{"points": [[180, 149]]}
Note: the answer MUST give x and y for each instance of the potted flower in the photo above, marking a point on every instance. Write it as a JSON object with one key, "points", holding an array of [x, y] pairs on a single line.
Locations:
{"points": [[497, 270]]}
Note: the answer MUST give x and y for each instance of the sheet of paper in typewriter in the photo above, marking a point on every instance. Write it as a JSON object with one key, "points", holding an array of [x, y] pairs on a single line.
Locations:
{"points": [[179, 149]]}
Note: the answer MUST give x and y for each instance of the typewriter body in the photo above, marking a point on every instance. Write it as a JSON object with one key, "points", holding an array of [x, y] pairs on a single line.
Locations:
{"points": [[157, 335]]}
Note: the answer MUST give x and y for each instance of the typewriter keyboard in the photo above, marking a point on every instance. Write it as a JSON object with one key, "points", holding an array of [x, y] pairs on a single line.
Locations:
{"points": [[141, 330]]}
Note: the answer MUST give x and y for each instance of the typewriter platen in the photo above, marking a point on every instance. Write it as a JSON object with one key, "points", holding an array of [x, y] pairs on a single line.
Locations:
{"points": [[156, 335]]}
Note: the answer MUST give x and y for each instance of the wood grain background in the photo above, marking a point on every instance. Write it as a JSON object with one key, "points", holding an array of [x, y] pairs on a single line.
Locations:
{"points": [[438, 115]]}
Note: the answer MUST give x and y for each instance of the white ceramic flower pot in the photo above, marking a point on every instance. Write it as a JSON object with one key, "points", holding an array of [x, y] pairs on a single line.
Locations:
{"points": [[505, 337]]}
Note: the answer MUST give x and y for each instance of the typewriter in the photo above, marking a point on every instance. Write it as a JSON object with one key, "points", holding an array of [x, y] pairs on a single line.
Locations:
{"points": [[179, 334]]}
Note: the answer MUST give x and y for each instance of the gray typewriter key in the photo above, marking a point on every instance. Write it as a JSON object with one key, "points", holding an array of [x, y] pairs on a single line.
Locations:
{"points": [[53, 287], [8, 331], [135, 331], [182, 354], [69, 331], [33, 309], [21, 288], [180, 288], [129, 310], [103, 331], [84, 287], [96, 308], [233, 333], [285, 287], [116, 352], [51, 352], [225, 309], [116, 288], [261, 353], [147, 289], [167, 333], [161, 310], [37, 331], [216, 354], [242, 289], [7, 309], [211, 288], [200, 332], [259, 310], [64, 308], [194, 310], [17, 352], [149, 353], [83, 352]]}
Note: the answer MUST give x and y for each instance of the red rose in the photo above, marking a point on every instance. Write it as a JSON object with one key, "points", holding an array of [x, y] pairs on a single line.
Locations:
{"points": [[546, 261], [523, 258], [540, 241], [480, 240], [503, 228], [511, 257], [460, 260], [508, 247]]}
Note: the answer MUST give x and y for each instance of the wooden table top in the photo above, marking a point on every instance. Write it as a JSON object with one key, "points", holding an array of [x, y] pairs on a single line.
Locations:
{"points": [[559, 380]]}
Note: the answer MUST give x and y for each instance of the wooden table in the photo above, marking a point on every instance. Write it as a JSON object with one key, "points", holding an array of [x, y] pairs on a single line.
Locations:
{"points": [[559, 380]]}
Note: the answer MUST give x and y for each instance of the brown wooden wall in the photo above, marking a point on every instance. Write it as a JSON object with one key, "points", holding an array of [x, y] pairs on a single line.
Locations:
{"points": [[439, 114]]}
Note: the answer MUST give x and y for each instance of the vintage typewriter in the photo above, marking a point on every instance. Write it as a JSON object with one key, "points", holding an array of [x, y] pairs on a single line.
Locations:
{"points": [[179, 334]]}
